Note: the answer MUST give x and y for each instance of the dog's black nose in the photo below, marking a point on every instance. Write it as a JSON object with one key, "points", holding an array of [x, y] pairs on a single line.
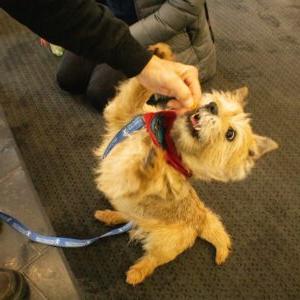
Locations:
{"points": [[212, 108]]}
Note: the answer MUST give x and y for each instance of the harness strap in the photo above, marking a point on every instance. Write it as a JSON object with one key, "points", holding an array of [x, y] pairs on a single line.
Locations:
{"points": [[136, 124]]}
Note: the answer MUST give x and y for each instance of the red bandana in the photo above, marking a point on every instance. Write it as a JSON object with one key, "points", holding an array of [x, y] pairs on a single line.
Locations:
{"points": [[159, 125]]}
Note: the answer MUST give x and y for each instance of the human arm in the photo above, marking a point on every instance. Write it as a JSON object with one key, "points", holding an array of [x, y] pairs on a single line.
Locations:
{"points": [[84, 27], [89, 30]]}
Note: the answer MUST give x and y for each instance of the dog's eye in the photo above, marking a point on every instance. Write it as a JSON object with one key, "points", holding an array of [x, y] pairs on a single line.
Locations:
{"points": [[230, 134]]}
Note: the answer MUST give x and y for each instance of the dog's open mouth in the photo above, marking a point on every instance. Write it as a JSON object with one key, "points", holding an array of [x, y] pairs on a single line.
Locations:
{"points": [[193, 121]]}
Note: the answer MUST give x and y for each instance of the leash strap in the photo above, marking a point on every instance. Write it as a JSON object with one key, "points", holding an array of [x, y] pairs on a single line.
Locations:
{"points": [[63, 242]]}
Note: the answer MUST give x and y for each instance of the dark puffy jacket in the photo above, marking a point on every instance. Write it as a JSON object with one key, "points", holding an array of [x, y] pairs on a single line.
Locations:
{"points": [[183, 25]]}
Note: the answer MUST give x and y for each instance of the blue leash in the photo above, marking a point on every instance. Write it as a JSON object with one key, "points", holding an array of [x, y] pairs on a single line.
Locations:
{"points": [[64, 242]]}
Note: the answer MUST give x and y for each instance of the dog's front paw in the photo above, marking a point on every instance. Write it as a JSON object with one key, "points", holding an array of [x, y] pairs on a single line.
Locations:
{"points": [[223, 251], [141, 269], [222, 255]]}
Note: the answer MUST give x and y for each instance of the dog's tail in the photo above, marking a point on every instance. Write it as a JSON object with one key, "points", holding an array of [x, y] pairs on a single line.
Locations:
{"points": [[162, 50]]}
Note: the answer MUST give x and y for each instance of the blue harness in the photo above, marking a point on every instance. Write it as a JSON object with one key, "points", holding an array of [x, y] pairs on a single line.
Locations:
{"points": [[136, 124]]}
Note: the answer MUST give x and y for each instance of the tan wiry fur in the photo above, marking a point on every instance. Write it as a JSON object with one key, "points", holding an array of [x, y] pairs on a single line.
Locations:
{"points": [[167, 214]]}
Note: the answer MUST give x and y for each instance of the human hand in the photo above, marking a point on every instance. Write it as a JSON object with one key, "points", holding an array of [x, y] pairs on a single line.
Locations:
{"points": [[174, 80]]}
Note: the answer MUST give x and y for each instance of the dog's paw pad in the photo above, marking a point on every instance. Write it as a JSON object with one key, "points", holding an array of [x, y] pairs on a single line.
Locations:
{"points": [[135, 276]]}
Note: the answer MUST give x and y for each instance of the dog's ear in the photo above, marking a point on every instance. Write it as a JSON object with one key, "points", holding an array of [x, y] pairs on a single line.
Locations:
{"points": [[241, 95], [263, 146]]}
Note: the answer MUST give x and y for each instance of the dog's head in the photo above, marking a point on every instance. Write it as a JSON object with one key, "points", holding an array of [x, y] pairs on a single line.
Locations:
{"points": [[216, 140]]}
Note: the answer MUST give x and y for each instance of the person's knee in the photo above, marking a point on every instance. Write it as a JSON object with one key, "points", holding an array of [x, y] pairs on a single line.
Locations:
{"points": [[61, 80], [99, 96], [67, 83], [74, 73], [102, 85]]}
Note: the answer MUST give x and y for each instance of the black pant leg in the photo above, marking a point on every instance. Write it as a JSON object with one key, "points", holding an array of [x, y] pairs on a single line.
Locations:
{"points": [[102, 85], [74, 73]]}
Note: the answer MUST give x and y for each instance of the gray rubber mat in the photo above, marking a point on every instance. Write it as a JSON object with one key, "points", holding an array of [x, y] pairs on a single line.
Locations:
{"points": [[258, 44]]}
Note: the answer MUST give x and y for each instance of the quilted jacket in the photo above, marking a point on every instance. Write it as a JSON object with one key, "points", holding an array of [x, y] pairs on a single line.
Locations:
{"points": [[183, 25]]}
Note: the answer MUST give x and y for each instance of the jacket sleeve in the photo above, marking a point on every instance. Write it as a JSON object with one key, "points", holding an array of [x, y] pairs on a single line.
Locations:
{"points": [[172, 17], [83, 27]]}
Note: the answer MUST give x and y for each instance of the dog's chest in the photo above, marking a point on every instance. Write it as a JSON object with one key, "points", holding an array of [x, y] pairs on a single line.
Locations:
{"points": [[121, 171]]}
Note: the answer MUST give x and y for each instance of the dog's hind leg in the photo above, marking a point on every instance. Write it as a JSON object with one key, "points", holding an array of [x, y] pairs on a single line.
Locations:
{"points": [[162, 244], [213, 231], [110, 217]]}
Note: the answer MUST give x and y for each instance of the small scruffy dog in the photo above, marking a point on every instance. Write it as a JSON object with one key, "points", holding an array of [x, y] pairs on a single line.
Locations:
{"points": [[215, 142]]}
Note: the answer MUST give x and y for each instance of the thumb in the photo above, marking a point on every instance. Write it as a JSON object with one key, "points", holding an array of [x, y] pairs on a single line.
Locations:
{"points": [[181, 92]]}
